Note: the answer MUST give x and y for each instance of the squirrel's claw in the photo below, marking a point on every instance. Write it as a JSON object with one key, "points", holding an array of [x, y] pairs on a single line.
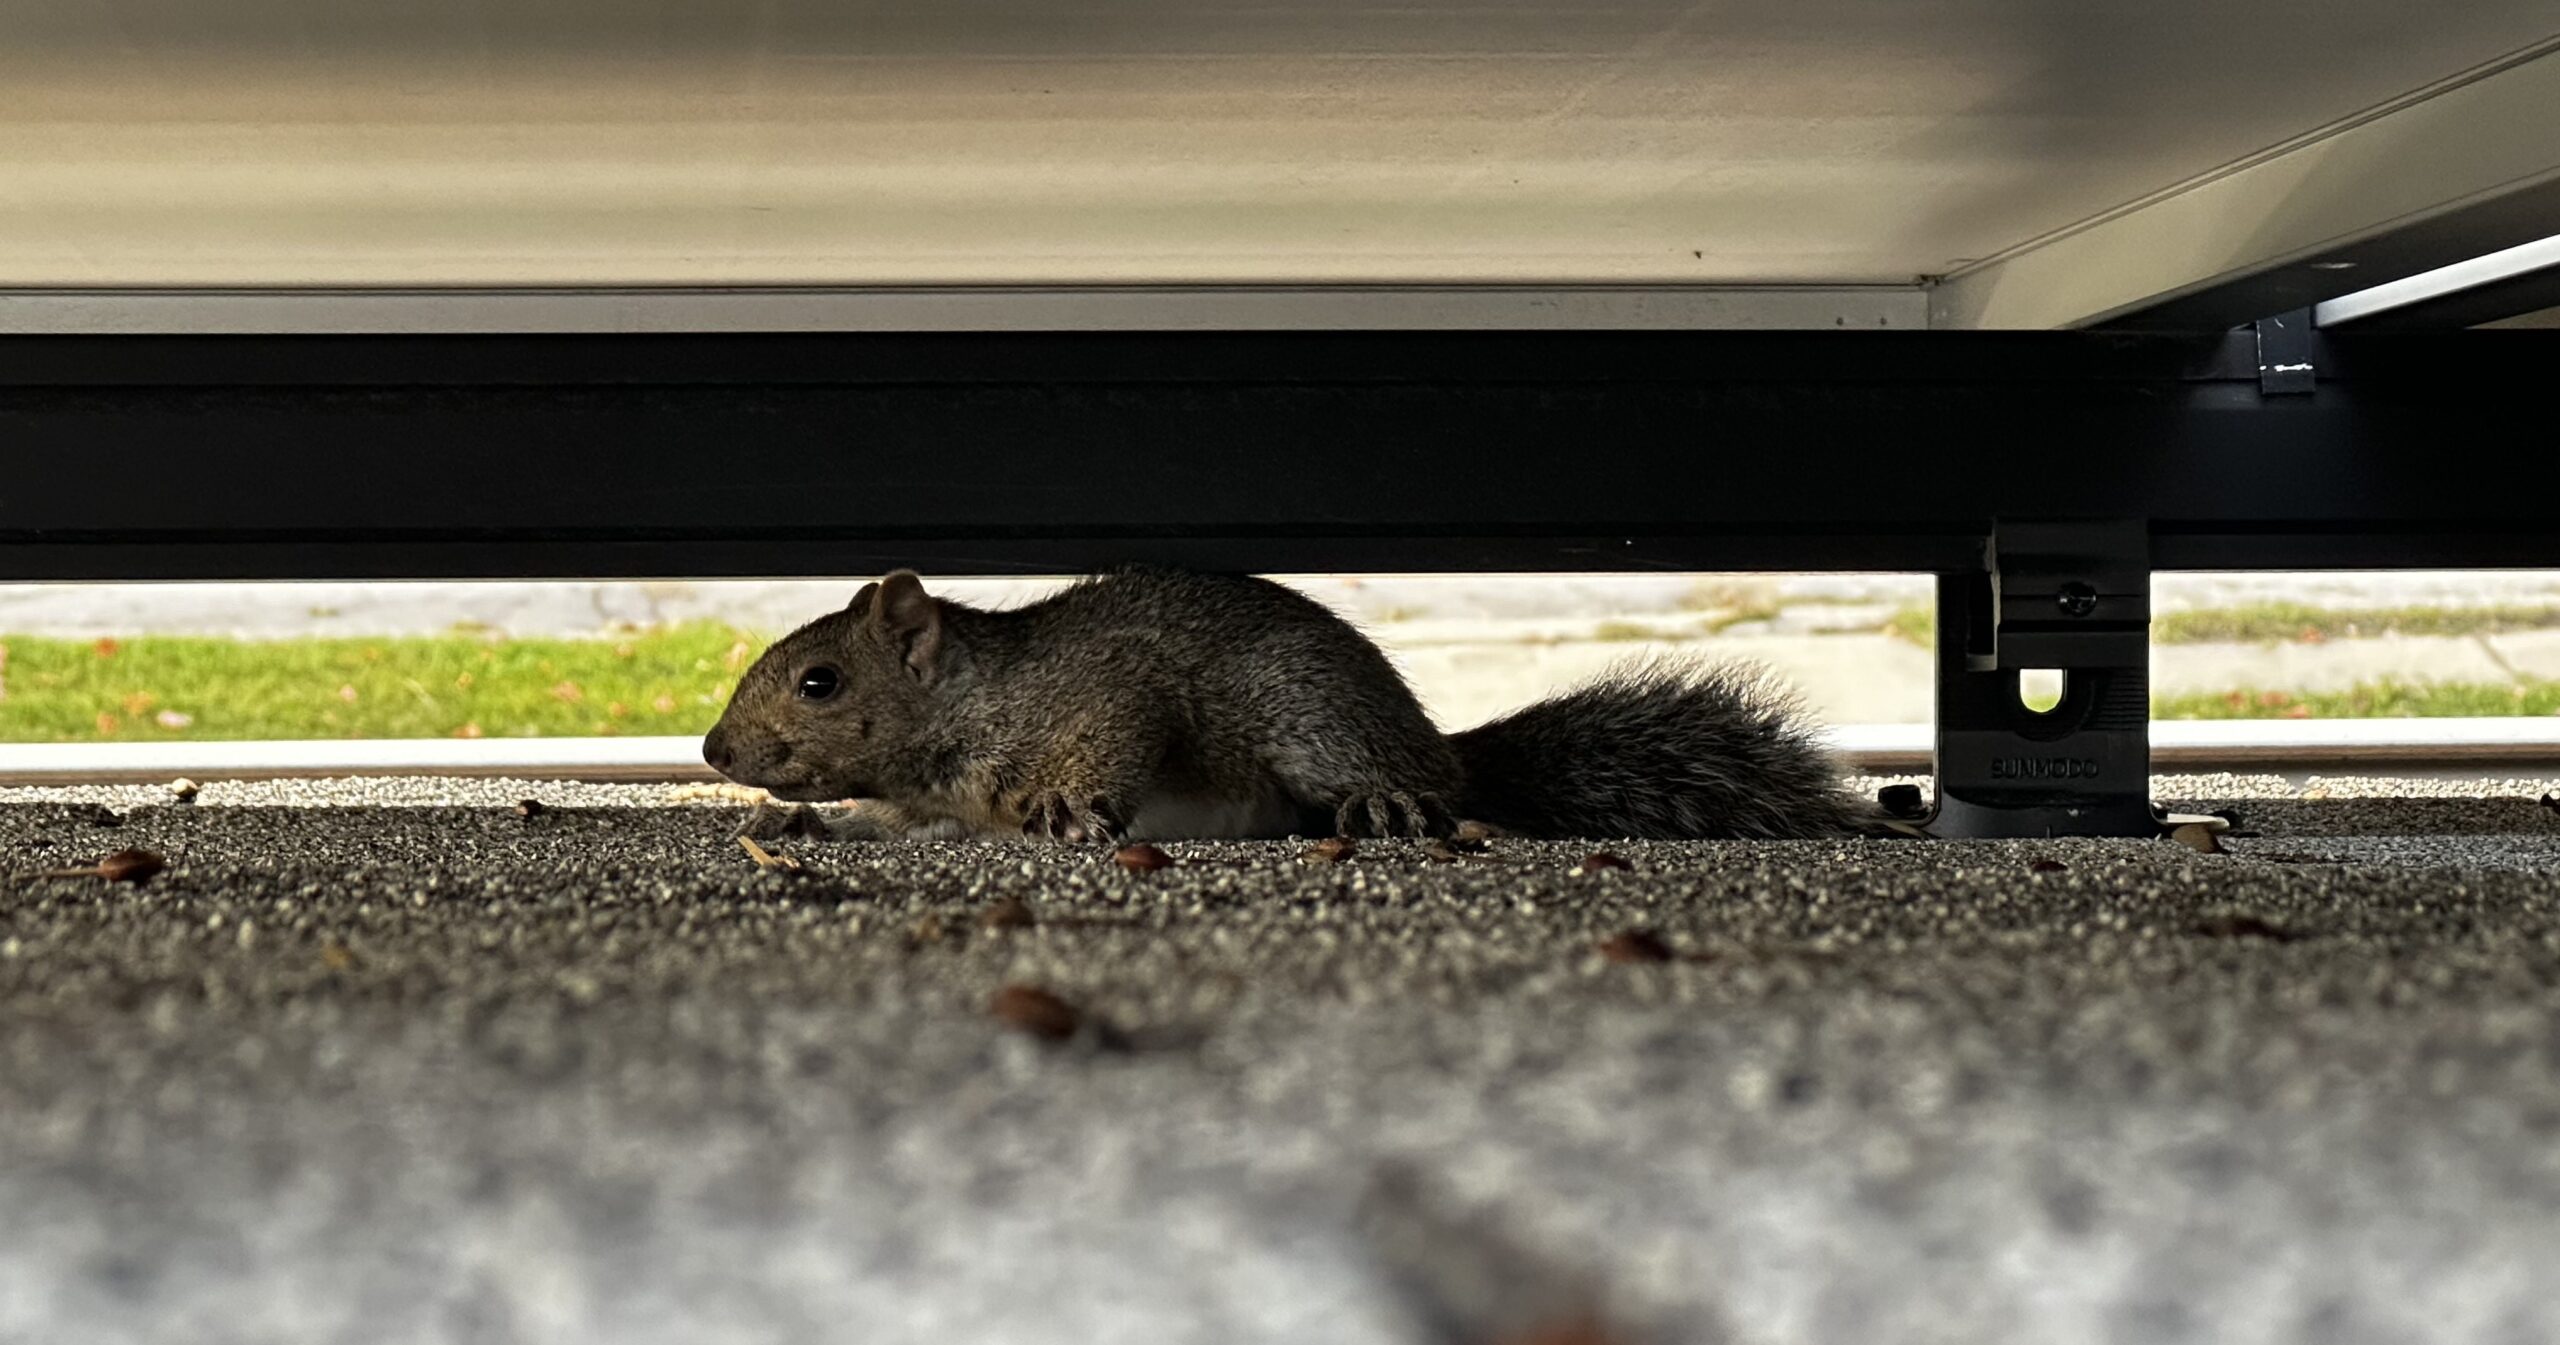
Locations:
{"points": [[771, 821], [1393, 814], [1076, 821]]}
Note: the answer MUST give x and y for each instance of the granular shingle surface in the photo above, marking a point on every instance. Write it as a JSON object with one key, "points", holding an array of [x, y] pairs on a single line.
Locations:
{"points": [[388, 1061]]}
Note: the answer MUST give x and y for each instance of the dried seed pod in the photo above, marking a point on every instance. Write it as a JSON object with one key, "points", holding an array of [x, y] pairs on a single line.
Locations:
{"points": [[185, 789], [1034, 1010], [1142, 858]]}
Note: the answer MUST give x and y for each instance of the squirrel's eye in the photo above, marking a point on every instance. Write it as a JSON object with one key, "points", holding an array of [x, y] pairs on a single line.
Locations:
{"points": [[816, 684]]}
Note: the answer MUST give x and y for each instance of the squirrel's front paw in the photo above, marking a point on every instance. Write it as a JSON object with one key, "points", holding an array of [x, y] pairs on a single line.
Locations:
{"points": [[1056, 817], [1394, 814], [771, 821]]}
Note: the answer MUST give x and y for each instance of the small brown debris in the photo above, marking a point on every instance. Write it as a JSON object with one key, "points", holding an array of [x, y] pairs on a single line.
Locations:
{"points": [[124, 866], [927, 930], [1031, 1009], [766, 859], [2047, 866], [1009, 913], [1602, 860], [1440, 852], [1636, 945], [1331, 850], [130, 866], [337, 956], [2244, 926], [1142, 858], [185, 789], [2198, 837], [530, 808]]}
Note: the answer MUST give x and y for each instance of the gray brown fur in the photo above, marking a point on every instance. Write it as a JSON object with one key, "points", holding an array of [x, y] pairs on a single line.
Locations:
{"points": [[1159, 704]]}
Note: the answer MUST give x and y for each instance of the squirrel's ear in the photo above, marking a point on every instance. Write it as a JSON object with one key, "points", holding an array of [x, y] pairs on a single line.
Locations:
{"points": [[912, 620], [861, 604]]}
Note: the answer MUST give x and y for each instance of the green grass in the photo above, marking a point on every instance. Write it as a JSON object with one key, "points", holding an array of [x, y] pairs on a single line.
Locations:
{"points": [[1917, 624], [670, 681], [2261, 623], [2278, 622], [2372, 700]]}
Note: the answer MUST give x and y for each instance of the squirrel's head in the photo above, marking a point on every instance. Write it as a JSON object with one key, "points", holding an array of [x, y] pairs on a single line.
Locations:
{"points": [[831, 710]]}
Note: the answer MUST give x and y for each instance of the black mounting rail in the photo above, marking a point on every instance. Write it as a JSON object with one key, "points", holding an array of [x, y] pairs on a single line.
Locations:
{"points": [[2024, 467]]}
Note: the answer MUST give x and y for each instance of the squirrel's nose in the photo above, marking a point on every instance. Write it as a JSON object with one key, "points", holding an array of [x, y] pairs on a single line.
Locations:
{"points": [[716, 752]]}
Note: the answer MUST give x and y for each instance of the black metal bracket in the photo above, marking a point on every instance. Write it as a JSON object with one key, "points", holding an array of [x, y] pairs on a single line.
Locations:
{"points": [[2285, 361], [2068, 596]]}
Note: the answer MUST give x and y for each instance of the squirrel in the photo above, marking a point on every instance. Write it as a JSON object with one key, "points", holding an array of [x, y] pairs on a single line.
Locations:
{"points": [[1145, 704]]}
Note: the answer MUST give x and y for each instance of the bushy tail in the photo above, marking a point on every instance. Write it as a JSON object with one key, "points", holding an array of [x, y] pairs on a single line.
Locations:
{"points": [[1662, 750]]}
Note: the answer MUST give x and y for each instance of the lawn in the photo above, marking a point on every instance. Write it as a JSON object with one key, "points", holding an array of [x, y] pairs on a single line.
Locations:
{"points": [[670, 681], [667, 681]]}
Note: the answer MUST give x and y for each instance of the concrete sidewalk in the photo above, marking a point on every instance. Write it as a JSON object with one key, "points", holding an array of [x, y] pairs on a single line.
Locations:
{"points": [[390, 1061]]}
